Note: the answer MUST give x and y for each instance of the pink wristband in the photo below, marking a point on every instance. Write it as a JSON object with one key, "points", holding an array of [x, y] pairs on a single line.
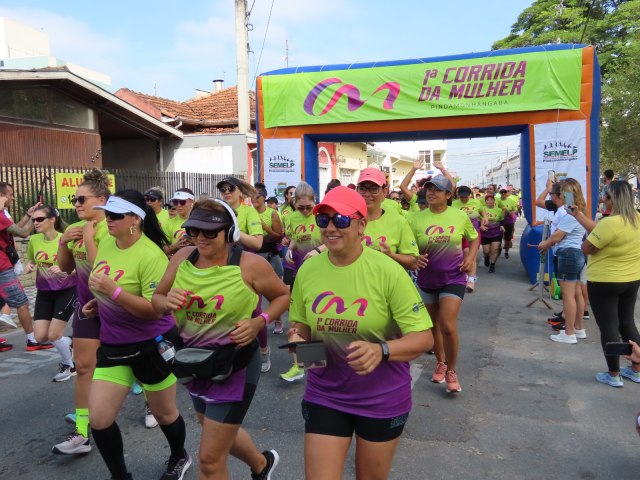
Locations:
{"points": [[265, 315], [61, 243], [116, 293]]}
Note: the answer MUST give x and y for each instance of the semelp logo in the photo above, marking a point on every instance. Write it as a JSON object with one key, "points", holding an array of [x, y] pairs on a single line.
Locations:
{"points": [[103, 267], [559, 151], [352, 92], [339, 304]]}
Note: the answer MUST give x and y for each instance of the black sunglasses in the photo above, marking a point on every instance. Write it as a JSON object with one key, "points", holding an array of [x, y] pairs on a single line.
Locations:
{"points": [[115, 216], [175, 203], [340, 221], [227, 189], [38, 219], [305, 208], [81, 199], [150, 199], [193, 232]]}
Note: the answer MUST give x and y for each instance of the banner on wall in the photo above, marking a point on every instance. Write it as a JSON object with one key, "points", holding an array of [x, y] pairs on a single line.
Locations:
{"points": [[67, 184], [282, 165], [560, 148], [468, 86]]}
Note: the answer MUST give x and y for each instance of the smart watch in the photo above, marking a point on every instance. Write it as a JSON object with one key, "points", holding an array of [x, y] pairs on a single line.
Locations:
{"points": [[385, 351]]}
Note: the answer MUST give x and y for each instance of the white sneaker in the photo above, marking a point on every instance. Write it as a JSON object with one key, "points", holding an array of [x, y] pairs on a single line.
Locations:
{"points": [[266, 361], [149, 420], [562, 337], [277, 327], [6, 319], [74, 444], [581, 333], [65, 372]]}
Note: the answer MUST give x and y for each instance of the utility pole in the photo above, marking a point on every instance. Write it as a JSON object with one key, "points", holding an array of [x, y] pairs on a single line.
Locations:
{"points": [[286, 53], [242, 65]]}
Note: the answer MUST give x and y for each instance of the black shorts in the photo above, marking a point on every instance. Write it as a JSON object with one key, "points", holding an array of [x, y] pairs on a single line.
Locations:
{"points": [[489, 241], [508, 232], [233, 412], [329, 421], [431, 296], [58, 304]]}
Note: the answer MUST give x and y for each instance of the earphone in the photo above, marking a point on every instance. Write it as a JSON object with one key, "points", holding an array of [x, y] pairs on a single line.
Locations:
{"points": [[233, 235]]}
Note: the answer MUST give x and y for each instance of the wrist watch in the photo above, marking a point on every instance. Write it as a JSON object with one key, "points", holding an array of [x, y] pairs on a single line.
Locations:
{"points": [[385, 351]]}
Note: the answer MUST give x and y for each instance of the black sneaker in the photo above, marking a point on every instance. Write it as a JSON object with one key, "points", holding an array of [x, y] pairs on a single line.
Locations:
{"points": [[176, 467], [585, 316], [492, 268], [557, 327], [506, 254], [555, 320], [486, 261], [272, 462]]}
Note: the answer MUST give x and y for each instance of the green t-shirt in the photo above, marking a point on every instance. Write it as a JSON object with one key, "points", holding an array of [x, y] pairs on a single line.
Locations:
{"points": [[373, 299], [83, 266], [394, 231], [44, 254], [618, 259], [162, 216], [306, 234], [391, 206], [173, 228], [495, 216], [248, 220], [413, 203], [471, 208], [137, 270]]}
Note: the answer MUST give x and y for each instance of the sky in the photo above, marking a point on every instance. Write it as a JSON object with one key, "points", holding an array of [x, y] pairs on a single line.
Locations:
{"points": [[170, 48]]}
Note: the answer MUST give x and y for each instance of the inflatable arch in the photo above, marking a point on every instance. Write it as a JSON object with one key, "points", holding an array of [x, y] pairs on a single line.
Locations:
{"points": [[549, 95]]}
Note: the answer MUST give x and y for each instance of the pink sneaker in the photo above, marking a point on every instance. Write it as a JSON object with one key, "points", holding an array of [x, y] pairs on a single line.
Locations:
{"points": [[452, 381], [438, 373]]}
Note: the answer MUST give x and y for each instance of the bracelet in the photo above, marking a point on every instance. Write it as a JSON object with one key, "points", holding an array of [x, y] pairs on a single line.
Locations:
{"points": [[27, 215], [317, 249], [265, 315], [61, 243], [116, 293], [385, 351]]}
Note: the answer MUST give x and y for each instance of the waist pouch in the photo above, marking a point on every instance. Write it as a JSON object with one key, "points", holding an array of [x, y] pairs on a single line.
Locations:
{"points": [[130, 353], [215, 363]]}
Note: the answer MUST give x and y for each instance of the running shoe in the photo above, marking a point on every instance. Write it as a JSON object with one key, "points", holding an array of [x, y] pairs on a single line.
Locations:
{"points": [[562, 337], [33, 346], [65, 372], [293, 374], [136, 389], [6, 319], [581, 333], [439, 372], [555, 321], [177, 467], [492, 268], [149, 420], [272, 462], [452, 381], [266, 360], [585, 316], [70, 418], [605, 377], [486, 261], [4, 346], [506, 254], [559, 326], [631, 374], [74, 444], [277, 327], [471, 284]]}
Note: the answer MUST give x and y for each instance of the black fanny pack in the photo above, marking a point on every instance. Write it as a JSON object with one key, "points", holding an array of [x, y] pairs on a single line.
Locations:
{"points": [[11, 252], [215, 364], [130, 353]]}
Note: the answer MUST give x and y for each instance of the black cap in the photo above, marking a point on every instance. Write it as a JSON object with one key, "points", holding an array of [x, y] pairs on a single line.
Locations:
{"points": [[272, 200], [207, 220], [153, 193], [230, 180]]}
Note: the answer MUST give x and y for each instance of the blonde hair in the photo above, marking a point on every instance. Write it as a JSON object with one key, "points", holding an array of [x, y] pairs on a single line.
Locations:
{"points": [[572, 185], [304, 190], [621, 195]]}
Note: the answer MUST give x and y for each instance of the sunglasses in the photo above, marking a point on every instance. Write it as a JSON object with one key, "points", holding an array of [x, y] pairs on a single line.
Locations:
{"points": [[373, 189], [175, 203], [38, 219], [150, 199], [81, 199], [193, 232], [305, 208], [227, 189], [115, 216], [339, 221]]}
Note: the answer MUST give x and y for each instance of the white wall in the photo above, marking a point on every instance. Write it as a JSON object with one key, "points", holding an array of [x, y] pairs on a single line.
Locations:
{"points": [[18, 40]]}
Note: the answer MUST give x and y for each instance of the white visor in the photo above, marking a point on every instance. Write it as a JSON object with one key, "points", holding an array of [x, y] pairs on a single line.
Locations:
{"points": [[182, 196], [120, 205]]}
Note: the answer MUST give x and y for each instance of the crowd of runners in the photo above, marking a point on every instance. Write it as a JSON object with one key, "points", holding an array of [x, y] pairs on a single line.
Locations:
{"points": [[371, 277]]}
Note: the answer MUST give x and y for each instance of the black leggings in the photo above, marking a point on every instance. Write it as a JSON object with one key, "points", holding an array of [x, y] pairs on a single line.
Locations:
{"points": [[613, 305]]}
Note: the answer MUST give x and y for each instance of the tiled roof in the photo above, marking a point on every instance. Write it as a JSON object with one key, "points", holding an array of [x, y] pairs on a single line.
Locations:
{"points": [[221, 106]]}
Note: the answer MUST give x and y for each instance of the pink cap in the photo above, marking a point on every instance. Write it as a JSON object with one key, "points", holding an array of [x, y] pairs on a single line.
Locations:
{"points": [[344, 201], [372, 174]]}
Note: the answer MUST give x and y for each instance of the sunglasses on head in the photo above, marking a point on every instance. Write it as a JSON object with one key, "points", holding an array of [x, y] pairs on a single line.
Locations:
{"points": [[175, 202], [81, 199], [227, 188], [339, 221], [150, 199], [38, 219], [115, 216], [193, 232]]}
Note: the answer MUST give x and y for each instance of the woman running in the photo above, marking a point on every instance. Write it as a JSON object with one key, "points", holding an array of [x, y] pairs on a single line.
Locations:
{"points": [[214, 291], [288, 206], [473, 208], [439, 231], [182, 200], [56, 295], [303, 236], [365, 387], [128, 266], [492, 231], [77, 251]]}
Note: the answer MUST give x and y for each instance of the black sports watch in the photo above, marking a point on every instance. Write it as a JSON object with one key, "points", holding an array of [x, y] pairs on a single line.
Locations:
{"points": [[385, 351]]}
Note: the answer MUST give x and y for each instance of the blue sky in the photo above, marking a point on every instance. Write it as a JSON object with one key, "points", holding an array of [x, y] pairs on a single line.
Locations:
{"points": [[173, 48]]}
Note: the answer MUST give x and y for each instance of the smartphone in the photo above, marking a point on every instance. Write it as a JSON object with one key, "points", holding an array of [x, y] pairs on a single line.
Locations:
{"points": [[309, 354], [614, 349], [552, 175], [568, 199]]}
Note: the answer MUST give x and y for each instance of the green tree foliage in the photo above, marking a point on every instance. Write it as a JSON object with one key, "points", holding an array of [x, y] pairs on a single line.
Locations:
{"points": [[613, 27]]}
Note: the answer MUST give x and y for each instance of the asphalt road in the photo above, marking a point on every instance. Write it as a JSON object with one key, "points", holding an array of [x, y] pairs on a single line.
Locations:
{"points": [[530, 408]]}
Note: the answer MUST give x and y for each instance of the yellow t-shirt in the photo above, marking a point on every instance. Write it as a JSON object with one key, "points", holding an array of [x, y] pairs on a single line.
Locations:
{"points": [[618, 259]]}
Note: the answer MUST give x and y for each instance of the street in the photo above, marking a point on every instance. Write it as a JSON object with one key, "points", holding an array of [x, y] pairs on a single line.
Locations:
{"points": [[529, 408]]}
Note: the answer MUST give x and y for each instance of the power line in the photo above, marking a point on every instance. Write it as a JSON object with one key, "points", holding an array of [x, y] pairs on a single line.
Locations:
{"points": [[266, 30]]}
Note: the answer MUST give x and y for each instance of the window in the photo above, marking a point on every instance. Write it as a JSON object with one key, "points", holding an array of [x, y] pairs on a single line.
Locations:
{"points": [[347, 175], [66, 111]]}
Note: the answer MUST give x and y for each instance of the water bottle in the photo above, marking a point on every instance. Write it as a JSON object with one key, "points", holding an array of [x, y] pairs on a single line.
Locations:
{"points": [[166, 349]]}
